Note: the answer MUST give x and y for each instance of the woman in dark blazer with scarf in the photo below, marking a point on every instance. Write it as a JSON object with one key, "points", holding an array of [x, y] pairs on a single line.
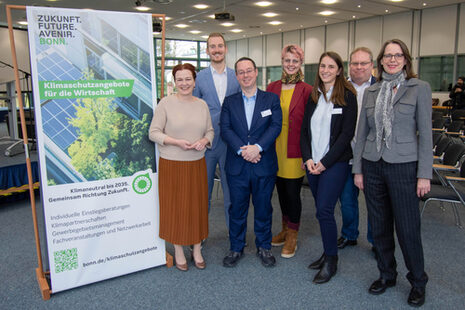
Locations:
{"points": [[392, 163], [327, 129], [294, 94]]}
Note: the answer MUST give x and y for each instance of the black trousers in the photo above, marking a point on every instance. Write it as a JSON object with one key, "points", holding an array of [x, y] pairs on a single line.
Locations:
{"points": [[289, 198], [390, 194]]}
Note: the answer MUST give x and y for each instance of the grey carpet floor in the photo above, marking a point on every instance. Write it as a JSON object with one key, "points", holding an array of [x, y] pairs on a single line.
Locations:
{"points": [[249, 285]]}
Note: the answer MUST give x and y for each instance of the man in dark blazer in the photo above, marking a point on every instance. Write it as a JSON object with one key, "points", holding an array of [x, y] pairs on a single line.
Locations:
{"points": [[213, 84], [250, 123], [360, 75]]}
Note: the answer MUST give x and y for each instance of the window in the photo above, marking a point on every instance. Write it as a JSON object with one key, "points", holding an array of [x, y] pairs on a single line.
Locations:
{"points": [[273, 74], [437, 71], [310, 73]]}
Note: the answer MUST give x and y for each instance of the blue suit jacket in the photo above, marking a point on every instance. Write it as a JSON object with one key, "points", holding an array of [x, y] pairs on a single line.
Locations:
{"points": [[264, 129], [205, 89]]}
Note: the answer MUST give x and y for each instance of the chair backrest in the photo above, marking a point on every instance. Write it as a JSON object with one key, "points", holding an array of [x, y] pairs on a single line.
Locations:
{"points": [[436, 115], [457, 114], [453, 153], [439, 123], [442, 145], [455, 126], [436, 137]]}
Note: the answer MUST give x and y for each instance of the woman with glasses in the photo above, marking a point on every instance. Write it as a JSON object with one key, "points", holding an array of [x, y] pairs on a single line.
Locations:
{"points": [[294, 93], [327, 129], [182, 128], [392, 164]]}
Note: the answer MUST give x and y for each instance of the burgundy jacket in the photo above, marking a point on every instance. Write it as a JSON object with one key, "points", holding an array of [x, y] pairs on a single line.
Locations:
{"points": [[299, 100]]}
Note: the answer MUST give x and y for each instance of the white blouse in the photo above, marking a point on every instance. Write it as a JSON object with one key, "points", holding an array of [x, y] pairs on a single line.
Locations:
{"points": [[320, 126]]}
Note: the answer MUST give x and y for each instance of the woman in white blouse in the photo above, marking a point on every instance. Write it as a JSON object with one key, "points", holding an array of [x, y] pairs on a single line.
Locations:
{"points": [[327, 129]]}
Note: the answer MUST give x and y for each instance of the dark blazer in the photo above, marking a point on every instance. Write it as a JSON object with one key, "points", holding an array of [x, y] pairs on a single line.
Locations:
{"points": [[299, 100], [265, 128], [205, 89], [342, 131], [411, 128]]}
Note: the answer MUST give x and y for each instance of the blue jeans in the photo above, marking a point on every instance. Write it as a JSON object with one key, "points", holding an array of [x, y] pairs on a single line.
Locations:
{"points": [[349, 210]]}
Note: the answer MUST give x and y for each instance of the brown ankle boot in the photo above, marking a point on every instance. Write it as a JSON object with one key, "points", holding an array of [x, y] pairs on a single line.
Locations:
{"points": [[290, 246], [280, 238]]}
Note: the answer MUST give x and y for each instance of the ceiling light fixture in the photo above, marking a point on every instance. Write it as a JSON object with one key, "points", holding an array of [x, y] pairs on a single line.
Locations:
{"points": [[23, 22], [270, 14], [181, 25], [326, 13], [263, 3], [275, 22], [201, 6], [328, 1], [142, 8], [386, 10], [211, 16], [236, 30], [227, 24], [195, 31]]}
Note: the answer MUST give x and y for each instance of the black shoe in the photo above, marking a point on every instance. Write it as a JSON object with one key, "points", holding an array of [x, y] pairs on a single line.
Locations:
{"points": [[266, 257], [327, 271], [379, 286], [416, 298], [343, 242], [232, 258], [318, 263]]}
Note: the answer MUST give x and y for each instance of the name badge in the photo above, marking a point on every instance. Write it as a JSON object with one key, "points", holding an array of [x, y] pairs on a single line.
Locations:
{"points": [[266, 113], [337, 111]]}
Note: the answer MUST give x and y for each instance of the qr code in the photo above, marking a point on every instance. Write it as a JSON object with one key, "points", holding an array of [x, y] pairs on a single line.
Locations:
{"points": [[66, 260]]}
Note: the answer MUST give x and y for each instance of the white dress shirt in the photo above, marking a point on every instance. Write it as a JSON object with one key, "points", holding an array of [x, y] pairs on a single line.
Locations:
{"points": [[221, 82], [320, 126]]}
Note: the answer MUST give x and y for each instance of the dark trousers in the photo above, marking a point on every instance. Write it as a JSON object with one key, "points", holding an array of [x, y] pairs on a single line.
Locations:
{"points": [[241, 187], [289, 200], [390, 194], [326, 189]]}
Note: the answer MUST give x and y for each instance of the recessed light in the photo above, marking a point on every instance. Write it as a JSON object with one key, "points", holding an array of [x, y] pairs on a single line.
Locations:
{"points": [[301, 26], [156, 33], [296, 9], [236, 30], [328, 1], [204, 37], [195, 31], [211, 16], [201, 6], [326, 13], [397, 0], [23, 22], [181, 25], [142, 8], [279, 29], [263, 3], [424, 4], [227, 24], [353, 16], [386, 10], [326, 21], [359, 6], [168, 18], [270, 14], [275, 22], [261, 32]]}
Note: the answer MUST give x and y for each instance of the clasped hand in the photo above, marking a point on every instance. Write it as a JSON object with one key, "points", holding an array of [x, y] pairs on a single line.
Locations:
{"points": [[315, 168], [198, 145], [251, 153]]}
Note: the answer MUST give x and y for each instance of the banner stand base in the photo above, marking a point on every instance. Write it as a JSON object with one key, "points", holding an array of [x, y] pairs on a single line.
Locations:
{"points": [[169, 260], [43, 284]]}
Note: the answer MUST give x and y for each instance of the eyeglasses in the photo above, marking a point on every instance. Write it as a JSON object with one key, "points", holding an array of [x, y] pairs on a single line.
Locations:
{"points": [[293, 61], [396, 56], [249, 71], [363, 64]]}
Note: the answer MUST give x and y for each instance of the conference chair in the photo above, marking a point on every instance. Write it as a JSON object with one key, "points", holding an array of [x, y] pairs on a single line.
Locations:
{"points": [[453, 192], [449, 162]]}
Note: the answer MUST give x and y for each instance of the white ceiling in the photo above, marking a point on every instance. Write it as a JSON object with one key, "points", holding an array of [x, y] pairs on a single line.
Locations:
{"points": [[294, 14]]}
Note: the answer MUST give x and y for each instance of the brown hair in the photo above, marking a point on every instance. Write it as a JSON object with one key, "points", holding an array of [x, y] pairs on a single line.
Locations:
{"points": [[408, 66], [186, 66], [361, 49], [340, 85], [216, 35]]}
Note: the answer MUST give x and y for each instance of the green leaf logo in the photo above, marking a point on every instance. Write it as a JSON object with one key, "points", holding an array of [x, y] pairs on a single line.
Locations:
{"points": [[142, 184]]}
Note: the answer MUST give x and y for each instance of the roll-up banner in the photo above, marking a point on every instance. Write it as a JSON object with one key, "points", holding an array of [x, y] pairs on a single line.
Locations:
{"points": [[94, 93]]}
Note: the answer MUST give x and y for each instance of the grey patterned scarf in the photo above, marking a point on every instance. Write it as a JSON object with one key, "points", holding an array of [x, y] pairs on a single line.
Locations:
{"points": [[383, 108]]}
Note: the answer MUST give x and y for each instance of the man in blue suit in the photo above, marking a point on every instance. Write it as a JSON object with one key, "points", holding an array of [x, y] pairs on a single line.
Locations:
{"points": [[213, 84], [360, 69], [250, 123]]}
